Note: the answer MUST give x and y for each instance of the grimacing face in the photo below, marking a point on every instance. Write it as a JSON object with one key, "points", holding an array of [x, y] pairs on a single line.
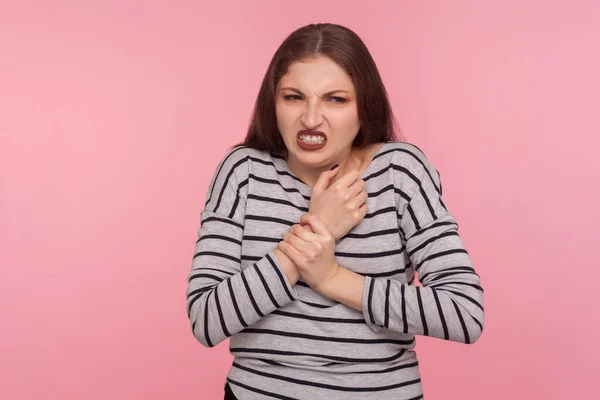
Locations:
{"points": [[317, 94]]}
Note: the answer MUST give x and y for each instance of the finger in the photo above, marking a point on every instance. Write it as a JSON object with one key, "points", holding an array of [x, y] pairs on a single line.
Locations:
{"points": [[306, 226], [348, 179], [323, 182], [305, 232], [363, 210], [299, 244], [316, 224], [358, 200], [357, 187], [291, 252]]}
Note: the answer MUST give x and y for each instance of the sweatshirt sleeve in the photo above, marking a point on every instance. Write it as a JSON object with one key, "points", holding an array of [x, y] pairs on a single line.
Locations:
{"points": [[221, 298], [449, 304]]}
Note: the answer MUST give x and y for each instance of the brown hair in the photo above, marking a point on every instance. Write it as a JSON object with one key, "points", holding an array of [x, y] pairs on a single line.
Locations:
{"points": [[346, 49]]}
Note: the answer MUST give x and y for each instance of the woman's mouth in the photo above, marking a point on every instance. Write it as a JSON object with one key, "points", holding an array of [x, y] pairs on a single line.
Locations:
{"points": [[311, 140]]}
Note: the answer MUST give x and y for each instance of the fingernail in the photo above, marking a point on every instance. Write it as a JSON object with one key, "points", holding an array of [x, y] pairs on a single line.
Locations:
{"points": [[334, 167]]}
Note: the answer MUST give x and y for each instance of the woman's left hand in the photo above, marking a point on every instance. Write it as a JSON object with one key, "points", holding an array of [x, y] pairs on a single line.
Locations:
{"points": [[312, 252]]}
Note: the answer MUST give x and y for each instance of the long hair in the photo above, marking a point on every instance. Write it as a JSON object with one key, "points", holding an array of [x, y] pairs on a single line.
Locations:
{"points": [[345, 48]]}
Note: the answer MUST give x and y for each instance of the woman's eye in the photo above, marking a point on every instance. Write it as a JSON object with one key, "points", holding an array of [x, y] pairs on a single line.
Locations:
{"points": [[338, 99], [292, 97]]}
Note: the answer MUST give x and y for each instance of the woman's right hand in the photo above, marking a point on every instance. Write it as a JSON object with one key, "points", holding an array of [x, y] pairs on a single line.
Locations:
{"points": [[340, 206]]}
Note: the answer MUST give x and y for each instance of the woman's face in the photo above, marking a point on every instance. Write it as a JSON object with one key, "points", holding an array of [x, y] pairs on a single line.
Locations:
{"points": [[316, 94]]}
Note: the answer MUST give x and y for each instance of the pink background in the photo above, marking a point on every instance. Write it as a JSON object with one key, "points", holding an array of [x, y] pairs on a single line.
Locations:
{"points": [[114, 114]]}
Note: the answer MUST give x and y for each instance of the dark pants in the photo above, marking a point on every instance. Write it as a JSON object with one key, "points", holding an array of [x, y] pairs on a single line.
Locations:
{"points": [[228, 393]]}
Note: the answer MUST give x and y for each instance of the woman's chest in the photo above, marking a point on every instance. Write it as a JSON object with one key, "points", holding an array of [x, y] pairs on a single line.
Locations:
{"points": [[373, 247]]}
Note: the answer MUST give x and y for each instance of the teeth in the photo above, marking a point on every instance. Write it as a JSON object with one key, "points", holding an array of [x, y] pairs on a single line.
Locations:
{"points": [[312, 139]]}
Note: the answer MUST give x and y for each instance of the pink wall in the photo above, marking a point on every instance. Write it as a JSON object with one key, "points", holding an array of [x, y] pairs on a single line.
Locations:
{"points": [[114, 114]]}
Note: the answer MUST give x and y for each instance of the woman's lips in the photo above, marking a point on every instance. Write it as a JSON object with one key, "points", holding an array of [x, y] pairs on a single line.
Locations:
{"points": [[310, 146]]}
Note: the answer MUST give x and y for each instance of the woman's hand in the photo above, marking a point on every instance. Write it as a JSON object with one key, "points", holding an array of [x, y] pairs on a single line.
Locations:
{"points": [[340, 206], [312, 252]]}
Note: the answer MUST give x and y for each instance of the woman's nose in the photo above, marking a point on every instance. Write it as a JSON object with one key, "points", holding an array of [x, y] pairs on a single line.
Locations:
{"points": [[312, 116]]}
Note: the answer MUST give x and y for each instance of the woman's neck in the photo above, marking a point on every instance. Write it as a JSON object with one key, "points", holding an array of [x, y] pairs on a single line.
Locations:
{"points": [[355, 159]]}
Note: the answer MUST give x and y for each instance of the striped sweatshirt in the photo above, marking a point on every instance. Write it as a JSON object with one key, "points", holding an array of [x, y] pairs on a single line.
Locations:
{"points": [[290, 342]]}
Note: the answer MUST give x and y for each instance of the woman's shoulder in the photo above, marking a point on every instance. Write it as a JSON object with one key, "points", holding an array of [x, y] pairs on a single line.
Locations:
{"points": [[406, 154], [242, 163], [408, 159], [233, 169], [241, 156]]}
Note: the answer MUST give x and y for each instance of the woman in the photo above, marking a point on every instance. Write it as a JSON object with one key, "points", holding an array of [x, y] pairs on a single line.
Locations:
{"points": [[312, 232]]}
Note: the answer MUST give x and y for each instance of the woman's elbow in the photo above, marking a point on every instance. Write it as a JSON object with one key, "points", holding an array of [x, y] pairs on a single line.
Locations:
{"points": [[476, 330], [198, 332], [475, 336]]}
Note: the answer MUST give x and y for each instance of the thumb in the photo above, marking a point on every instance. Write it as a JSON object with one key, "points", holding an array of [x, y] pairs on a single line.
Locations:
{"points": [[323, 181]]}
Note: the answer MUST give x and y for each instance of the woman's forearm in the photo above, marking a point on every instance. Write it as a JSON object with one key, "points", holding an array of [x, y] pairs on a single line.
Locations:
{"points": [[289, 268], [345, 286]]}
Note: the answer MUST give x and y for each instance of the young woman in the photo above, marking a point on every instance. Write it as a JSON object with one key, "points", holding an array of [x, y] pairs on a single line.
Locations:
{"points": [[313, 230]]}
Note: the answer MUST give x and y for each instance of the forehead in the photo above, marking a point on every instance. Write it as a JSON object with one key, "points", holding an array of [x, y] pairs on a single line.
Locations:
{"points": [[317, 74]]}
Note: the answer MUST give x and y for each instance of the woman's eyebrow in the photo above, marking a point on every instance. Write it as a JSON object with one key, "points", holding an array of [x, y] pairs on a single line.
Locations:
{"points": [[325, 94]]}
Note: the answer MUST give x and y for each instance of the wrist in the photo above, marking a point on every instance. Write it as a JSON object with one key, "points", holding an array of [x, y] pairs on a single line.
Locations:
{"points": [[329, 284], [344, 286], [289, 267]]}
